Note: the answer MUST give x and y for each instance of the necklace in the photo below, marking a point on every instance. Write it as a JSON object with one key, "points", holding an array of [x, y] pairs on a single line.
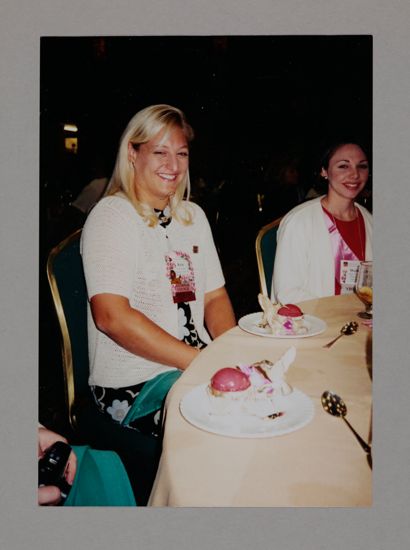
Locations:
{"points": [[164, 216]]}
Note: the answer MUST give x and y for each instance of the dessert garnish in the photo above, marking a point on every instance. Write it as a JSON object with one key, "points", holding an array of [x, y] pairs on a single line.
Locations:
{"points": [[283, 319]]}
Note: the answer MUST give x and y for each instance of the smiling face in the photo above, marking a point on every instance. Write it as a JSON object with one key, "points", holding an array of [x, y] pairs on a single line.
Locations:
{"points": [[160, 165], [347, 172]]}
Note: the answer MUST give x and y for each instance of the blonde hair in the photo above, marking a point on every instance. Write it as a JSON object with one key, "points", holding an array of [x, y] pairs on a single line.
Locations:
{"points": [[143, 126]]}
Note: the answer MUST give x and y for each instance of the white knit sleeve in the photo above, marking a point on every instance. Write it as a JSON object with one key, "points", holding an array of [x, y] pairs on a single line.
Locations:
{"points": [[108, 249]]}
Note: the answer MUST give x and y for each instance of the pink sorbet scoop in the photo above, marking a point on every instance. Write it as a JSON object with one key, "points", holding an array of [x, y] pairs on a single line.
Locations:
{"points": [[230, 379]]}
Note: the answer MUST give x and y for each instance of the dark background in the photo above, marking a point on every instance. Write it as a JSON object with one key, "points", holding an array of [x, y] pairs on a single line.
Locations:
{"points": [[256, 103]]}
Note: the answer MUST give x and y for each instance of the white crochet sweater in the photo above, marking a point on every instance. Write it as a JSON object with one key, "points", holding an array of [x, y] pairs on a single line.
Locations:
{"points": [[122, 255]]}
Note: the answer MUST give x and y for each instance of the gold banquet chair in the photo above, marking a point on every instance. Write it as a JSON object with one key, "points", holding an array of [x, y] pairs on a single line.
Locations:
{"points": [[67, 284], [265, 246]]}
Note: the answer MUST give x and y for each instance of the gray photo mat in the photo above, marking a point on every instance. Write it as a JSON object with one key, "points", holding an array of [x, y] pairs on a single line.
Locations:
{"points": [[23, 523]]}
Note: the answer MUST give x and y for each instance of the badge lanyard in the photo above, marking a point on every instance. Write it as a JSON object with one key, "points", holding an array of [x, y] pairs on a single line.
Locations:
{"points": [[346, 261]]}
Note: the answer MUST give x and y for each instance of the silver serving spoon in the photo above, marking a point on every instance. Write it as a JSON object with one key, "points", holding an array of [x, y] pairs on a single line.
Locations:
{"points": [[334, 405], [346, 330]]}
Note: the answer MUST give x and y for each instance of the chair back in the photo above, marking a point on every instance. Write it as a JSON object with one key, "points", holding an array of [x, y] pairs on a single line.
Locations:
{"points": [[66, 279], [265, 254]]}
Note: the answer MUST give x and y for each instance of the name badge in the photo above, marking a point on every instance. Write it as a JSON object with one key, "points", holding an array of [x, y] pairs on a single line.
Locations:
{"points": [[180, 273], [348, 275]]}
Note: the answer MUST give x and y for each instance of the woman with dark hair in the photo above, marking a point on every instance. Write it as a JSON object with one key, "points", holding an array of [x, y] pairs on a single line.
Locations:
{"points": [[321, 241]]}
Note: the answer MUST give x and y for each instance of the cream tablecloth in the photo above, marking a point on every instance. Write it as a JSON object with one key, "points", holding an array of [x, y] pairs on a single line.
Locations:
{"points": [[321, 464]]}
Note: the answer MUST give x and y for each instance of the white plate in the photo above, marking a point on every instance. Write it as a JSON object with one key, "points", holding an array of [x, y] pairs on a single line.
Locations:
{"points": [[250, 323], [298, 411]]}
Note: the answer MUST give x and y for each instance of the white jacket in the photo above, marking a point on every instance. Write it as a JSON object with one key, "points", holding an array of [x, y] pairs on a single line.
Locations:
{"points": [[304, 265]]}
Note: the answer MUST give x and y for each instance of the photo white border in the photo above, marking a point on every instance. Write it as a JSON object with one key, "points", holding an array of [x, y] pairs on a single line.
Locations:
{"points": [[386, 524]]}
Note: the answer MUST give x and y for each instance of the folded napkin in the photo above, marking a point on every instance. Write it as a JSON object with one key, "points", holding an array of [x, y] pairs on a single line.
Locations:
{"points": [[152, 395]]}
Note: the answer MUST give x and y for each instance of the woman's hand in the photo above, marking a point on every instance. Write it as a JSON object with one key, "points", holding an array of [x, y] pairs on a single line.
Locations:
{"points": [[51, 495]]}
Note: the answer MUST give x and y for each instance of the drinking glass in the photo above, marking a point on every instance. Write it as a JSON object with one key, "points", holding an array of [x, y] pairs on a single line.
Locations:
{"points": [[364, 288]]}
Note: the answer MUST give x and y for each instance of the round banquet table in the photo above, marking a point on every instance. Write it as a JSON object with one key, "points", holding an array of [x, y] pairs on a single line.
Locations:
{"points": [[320, 464]]}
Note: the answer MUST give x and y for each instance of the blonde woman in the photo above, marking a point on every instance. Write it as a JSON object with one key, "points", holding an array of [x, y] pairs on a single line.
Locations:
{"points": [[155, 284]]}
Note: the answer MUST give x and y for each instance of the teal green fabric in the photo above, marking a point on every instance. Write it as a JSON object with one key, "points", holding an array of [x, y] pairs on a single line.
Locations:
{"points": [[152, 395], [268, 249], [100, 480]]}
